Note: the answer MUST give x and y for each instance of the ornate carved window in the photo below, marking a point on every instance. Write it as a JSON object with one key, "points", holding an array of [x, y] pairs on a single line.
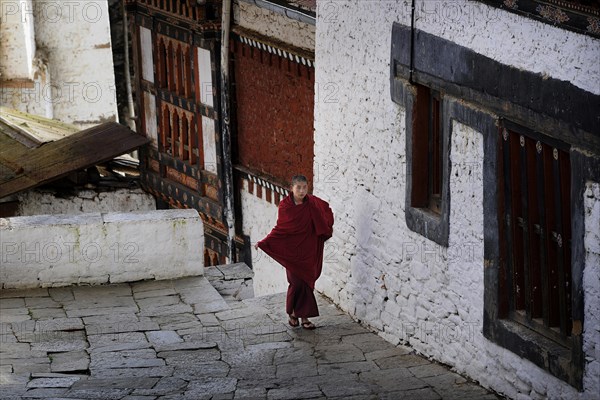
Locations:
{"points": [[582, 16]]}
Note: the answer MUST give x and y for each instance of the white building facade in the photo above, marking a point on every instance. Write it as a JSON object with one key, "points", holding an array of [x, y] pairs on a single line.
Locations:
{"points": [[57, 60], [445, 131]]}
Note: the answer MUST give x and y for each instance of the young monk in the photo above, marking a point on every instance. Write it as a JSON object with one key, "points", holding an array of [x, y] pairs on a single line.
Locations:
{"points": [[304, 223]]}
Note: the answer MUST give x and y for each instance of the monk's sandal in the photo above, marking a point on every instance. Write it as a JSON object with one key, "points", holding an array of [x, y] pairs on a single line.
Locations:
{"points": [[293, 321], [308, 325]]}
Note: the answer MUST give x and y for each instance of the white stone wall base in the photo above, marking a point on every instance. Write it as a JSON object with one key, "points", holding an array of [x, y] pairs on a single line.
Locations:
{"points": [[260, 217], [61, 250]]}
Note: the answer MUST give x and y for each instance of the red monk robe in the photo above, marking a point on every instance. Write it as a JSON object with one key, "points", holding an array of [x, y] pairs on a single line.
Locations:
{"points": [[297, 242]]}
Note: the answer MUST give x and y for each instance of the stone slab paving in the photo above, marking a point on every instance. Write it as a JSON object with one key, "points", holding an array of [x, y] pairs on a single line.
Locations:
{"points": [[181, 339]]}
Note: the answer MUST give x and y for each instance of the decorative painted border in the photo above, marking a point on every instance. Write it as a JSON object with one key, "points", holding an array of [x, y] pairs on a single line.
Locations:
{"points": [[574, 17], [268, 185], [276, 51], [273, 192]]}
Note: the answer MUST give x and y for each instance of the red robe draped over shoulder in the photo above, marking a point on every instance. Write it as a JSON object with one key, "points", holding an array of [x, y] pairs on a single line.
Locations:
{"points": [[298, 238]]}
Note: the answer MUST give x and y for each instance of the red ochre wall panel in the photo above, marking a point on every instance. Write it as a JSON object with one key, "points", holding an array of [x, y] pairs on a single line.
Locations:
{"points": [[275, 113]]}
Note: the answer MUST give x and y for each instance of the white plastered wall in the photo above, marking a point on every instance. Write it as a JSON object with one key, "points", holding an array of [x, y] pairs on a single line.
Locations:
{"points": [[17, 47], [260, 217], [405, 286], [94, 248], [274, 25], [69, 58]]}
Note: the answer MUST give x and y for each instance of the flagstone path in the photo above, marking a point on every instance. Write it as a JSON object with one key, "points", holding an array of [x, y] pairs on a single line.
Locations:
{"points": [[183, 339]]}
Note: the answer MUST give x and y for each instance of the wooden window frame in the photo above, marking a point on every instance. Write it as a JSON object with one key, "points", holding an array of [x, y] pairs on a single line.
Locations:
{"points": [[428, 128], [163, 75], [559, 354], [427, 150], [534, 187]]}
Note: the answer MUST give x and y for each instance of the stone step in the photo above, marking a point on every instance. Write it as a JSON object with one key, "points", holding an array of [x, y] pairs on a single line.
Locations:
{"points": [[233, 281]]}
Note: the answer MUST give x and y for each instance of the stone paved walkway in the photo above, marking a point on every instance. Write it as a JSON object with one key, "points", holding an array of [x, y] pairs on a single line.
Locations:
{"points": [[181, 339]]}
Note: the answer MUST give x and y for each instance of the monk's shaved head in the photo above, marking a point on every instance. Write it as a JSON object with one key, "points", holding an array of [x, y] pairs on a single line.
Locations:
{"points": [[299, 179]]}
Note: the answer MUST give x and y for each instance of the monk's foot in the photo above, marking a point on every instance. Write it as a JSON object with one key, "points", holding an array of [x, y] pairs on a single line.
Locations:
{"points": [[293, 321], [306, 324]]}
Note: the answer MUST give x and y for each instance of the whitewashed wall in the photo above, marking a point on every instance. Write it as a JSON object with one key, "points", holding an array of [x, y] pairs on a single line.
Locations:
{"points": [[72, 76], [39, 202], [18, 41], [591, 284], [94, 248], [274, 25], [260, 217], [405, 286]]}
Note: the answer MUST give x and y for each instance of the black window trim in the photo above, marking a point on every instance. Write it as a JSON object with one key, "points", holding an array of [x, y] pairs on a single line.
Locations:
{"points": [[434, 226]]}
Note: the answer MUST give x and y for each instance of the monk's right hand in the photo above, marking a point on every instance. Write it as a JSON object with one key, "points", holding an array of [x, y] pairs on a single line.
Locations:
{"points": [[256, 246]]}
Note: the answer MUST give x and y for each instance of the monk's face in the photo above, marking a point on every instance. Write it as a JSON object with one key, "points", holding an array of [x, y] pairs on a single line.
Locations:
{"points": [[299, 189]]}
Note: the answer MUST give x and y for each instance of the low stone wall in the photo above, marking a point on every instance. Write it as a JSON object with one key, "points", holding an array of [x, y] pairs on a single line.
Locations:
{"points": [[94, 248], [42, 202], [260, 216]]}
